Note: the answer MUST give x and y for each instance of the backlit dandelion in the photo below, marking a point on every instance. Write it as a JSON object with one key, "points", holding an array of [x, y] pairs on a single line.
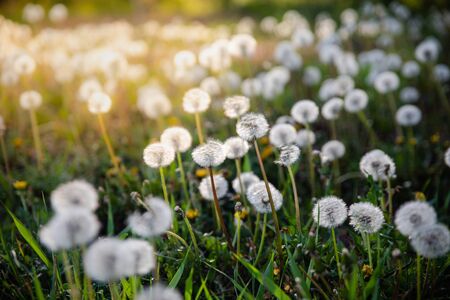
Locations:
{"points": [[74, 194], [332, 150], [196, 101], [412, 215], [305, 112], [235, 147], [447, 157], [257, 195], [236, 106], [365, 217], [289, 154], [431, 241], [252, 126], [282, 135], [248, 178], [206, 190], [155, 221], [101, 260]]}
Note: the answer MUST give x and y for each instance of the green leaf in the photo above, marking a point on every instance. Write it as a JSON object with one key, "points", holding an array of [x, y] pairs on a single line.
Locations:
{"points": [[37, 287], [176, 278], [188, 286]]}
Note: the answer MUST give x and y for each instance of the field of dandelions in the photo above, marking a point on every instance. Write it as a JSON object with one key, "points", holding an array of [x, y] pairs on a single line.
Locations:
{"points": [[283, 157]]}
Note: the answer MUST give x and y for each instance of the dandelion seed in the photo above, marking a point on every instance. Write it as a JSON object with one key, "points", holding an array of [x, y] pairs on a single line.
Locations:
{"points": [[69, 228], [412, 215], [330, 212], [305, 138], [196, 101], [257, 195], [365, 217], [377, 164], [408, 115], [288, 155], [236, 106], [431, 241], [178, 138], [159, 292], [155, 221], [248, 178], [158, 155], [30, 100], [74, 194], [221, 187], [211, 154], [356, 101], [252, 126], [235, 147], [333, 150], [99, 103], [305, 112], [282, 135], [332, 109]]}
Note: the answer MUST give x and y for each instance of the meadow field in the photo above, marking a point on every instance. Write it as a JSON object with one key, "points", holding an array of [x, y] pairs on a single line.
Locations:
{"points": [[257, 152]]}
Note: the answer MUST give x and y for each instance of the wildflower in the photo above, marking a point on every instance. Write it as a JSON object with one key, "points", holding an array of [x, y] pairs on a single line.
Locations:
{"points": [[221, 187], [365, 217], [196, 100], [441, 73], [242, 46], [159, 292], [257, 195], [210, 154], [30, 100], [20, 184], [99, 103], [136, 257], [155, 221], [101, 260], [252, 126], [74, 194], [282, 135], [192, 214], [408, 115], [332, 108], [377, 164], [69, 228], [410, 69], [305, 112], [158, 155], [24, 64], [247, 178], [58, 13], [311, 76], [333, 150], [330, 212], [409, 94], [428, 50], [289, 154], [356, 101], [153, 102], [367, 271], [305, 137], [235, 147], [236, 106], [412, 215], [431, 241], [386, 82], [201, 172], [178, 138]]}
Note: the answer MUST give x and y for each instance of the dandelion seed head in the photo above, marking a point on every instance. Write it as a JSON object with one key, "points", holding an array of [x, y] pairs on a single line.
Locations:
{"points": [[431, 241], [158, 155], [33, 13], [184, 59], [24, 64], [441, 73], [58, 13], [252, 87], [356, 101], [153, 102], [74, 194], [87, 88], [282, 135], [447, 157], [242, 45], [99, 103], [311, 76], [252, 126], [410, 69], [386, 82], [155, 221], [305, 137], [289, 154], [235, 147], [428, 50], [101, 260], [330, 212], [236, 106], [332, 108], [30, 100], [211, 85], [333, 150], [409, 94], [211, 154], [220, 183], [408, 115], [377, 164], [136, 257], [69, 229], [196, 101], [247, 178], [258, 197], [2, 126], [365, 217], [178, 138], [412, 215], [159, 292], [305, 112]]}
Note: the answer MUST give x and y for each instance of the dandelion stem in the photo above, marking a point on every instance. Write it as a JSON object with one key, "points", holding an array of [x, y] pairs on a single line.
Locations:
{"points": [[107, 140], [389, 192], [74, 293], [272, 205], [418, 276], [114, 291], [219, 211], [241, 184], [191, 233], [198, 124], [372, 135], [296, 202], [36, 138], [5, 156], [183, 179], [369, 251], [263, 237], [336, 253], [163, 183], [238, 242]]}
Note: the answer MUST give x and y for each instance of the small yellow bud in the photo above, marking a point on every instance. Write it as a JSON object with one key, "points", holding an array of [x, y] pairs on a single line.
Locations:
{"points": [[20, 184]]}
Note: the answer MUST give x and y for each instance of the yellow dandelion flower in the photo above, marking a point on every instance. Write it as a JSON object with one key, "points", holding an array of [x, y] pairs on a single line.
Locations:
{"points": [[435, 138], [20, 184], [367, 271], [191, 214], [201, 173]]}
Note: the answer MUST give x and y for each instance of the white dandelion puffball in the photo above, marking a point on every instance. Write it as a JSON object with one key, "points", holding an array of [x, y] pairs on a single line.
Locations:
{"points": [[304, 138], [305, 112], [258, 197], [101, 260], [247, 178], [332, 150], [412, 215], [33, 13], [282, 135], [58, 13], [431, 241], [178, 138], [365, 217], [252, 126], [159, 292], [153, 102], [184, 59], [87, 88], [136, 257], [409, 94], [158, 155], [220, 183], [252, 87], [377, 164], [330, 212], [30, 100], [211, 85], [289, 154], [408, 115], [311, 76], [447, 157], [441, 73], [69, 228], [242, 46], [235, 147], [74, 194], [356, 101], [196, 100], [99, 103], [386, 82], [24, 64], [332, 109], [428, 50], [236, 106], [155, 221], [211, 154], [410, 69]]}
